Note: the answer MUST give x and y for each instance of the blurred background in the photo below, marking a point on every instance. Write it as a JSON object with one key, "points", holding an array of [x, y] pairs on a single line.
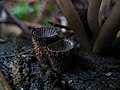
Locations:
{"points": [[17, 15]]}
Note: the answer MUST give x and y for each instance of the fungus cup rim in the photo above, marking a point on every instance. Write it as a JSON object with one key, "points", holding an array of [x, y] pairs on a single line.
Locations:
{"points": [[63, 40], [44, 28]]}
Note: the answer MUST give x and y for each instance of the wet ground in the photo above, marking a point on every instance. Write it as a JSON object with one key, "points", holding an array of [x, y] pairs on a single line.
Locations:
{"points": [[24, 72]]}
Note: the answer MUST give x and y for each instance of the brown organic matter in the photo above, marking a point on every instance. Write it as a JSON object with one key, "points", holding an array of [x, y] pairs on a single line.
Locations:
{"points": [[109, 30], [75, 22], [93, 11], [3, 83]]}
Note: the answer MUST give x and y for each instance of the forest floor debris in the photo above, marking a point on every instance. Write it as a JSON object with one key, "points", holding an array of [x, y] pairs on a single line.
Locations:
{"points": [[103, 73]]}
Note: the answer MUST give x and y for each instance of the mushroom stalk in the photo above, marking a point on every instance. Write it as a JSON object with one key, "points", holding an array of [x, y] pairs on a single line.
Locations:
{"points": [[104, 8], [109, 30], [74, 21], [93, 11]]}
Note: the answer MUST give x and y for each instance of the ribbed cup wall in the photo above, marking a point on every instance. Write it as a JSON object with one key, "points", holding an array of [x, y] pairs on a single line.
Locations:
{"points": [[60, 55], [41, 38]]}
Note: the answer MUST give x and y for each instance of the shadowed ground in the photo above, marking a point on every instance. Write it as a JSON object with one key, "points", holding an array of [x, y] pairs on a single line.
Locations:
{"points": [[103, 73]]}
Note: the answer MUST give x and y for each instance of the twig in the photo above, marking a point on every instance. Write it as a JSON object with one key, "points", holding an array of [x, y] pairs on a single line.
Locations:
{"points": [[13, 55], [60, 26], [4, 66], [55, 82], [6, 85], [16, 21]]}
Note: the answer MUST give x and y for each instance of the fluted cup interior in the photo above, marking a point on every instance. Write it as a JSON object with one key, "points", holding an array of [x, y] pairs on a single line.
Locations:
{"points": [[44, 32], [61, 46]]}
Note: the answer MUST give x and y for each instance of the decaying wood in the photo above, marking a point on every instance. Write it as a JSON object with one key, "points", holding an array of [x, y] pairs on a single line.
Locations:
{"points": [[74, 21], [3, 83], [93, 11], [109, 30]]}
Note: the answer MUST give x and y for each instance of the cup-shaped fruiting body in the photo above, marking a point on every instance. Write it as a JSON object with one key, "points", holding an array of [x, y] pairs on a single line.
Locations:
{"points": [[60, 55], [41, 38]]}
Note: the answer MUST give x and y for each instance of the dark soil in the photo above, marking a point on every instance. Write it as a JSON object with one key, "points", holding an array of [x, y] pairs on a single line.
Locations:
{"points": [[88, 72]]}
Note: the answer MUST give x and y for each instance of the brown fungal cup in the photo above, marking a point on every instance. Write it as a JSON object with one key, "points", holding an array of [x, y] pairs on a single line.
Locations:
{"points": [[41, 37], [60, 54]]}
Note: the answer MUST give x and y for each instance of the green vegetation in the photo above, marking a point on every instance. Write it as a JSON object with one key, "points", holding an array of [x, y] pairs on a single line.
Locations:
{"points": [[26, 11]]}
